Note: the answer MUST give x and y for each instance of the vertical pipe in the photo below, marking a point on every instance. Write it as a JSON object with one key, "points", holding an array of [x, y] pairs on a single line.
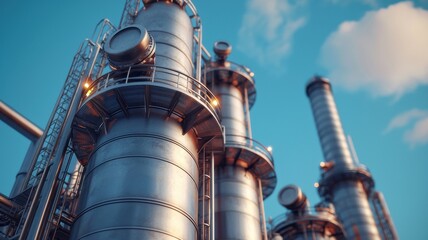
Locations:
{"points": [[348, 195], [247, 114], [353, 152], [262, 210]]}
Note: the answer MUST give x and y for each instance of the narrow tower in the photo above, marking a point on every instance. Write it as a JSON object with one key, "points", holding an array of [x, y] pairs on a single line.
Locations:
{"points": [[345, 183], [245, 175], [140, 128]]}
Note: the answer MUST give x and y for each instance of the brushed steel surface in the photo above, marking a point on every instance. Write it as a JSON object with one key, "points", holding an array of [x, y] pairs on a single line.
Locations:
{"points": [[236, 195], [329, 127], [348, 195], [232, 111], [308, 224], [292, 197], [19, 123], [172, 31], [140, 183], [352, 207], [238, 198], [128, 46]]}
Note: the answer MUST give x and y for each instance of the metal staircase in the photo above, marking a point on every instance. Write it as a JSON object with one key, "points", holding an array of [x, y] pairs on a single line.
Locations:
{"points": [[88, 64]]}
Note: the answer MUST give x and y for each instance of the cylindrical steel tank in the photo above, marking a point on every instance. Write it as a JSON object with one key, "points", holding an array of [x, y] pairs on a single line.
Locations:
{"points": [[237, 204], [140, 183], [172, 31], [232, 111], [344, 183]]}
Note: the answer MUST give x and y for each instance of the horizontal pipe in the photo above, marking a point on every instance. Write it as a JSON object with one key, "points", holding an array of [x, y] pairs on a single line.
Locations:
{"points": [[19, 123], [7, 202]]}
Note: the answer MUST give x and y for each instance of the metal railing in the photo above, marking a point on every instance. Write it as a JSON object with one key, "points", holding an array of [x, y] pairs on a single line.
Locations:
{"points": [[250, 143], [312, 211], [156, 75]]}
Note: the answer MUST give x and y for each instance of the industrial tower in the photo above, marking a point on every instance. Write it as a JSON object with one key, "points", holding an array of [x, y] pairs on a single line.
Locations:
{"points": [[345, 182], [245, 175], [350, 208], [151, 138]]}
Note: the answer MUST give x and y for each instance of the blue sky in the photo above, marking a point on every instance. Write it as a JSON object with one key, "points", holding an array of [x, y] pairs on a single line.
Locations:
{"points": [[374, 51]]}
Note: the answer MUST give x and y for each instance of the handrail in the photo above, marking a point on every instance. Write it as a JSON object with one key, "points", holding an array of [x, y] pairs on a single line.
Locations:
{"points": [[251, 143], [312, 211], [159, 75]]}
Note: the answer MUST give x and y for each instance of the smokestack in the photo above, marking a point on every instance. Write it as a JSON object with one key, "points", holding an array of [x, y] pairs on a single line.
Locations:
{"points": [[347, 185]]}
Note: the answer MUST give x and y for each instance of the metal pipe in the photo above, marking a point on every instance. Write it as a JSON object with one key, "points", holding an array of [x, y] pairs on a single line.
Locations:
{"points": [[347, 193], [7, 202], [262, 211], [19, 123], [352, 148], [247, 114]]}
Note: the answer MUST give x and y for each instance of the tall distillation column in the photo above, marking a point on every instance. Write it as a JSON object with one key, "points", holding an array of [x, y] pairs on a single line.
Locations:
{"points": [[345, 183], [139, 130], [246, 173]]}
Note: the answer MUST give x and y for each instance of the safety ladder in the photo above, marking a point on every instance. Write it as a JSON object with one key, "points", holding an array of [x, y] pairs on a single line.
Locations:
{"points": [[206, 198], [87, 64], [129, 13], [61, 218], [383, 217]]}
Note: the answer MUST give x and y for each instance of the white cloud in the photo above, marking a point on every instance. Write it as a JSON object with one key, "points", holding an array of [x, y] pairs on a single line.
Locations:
{"points": [[418, 121], [405, 118], [385, 52], [418, 135], [268, 28]]}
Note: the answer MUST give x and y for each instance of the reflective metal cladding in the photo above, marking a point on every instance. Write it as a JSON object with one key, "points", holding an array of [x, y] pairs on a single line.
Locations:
{"points": [[346, 184], [138, 133], [245, 174]]}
